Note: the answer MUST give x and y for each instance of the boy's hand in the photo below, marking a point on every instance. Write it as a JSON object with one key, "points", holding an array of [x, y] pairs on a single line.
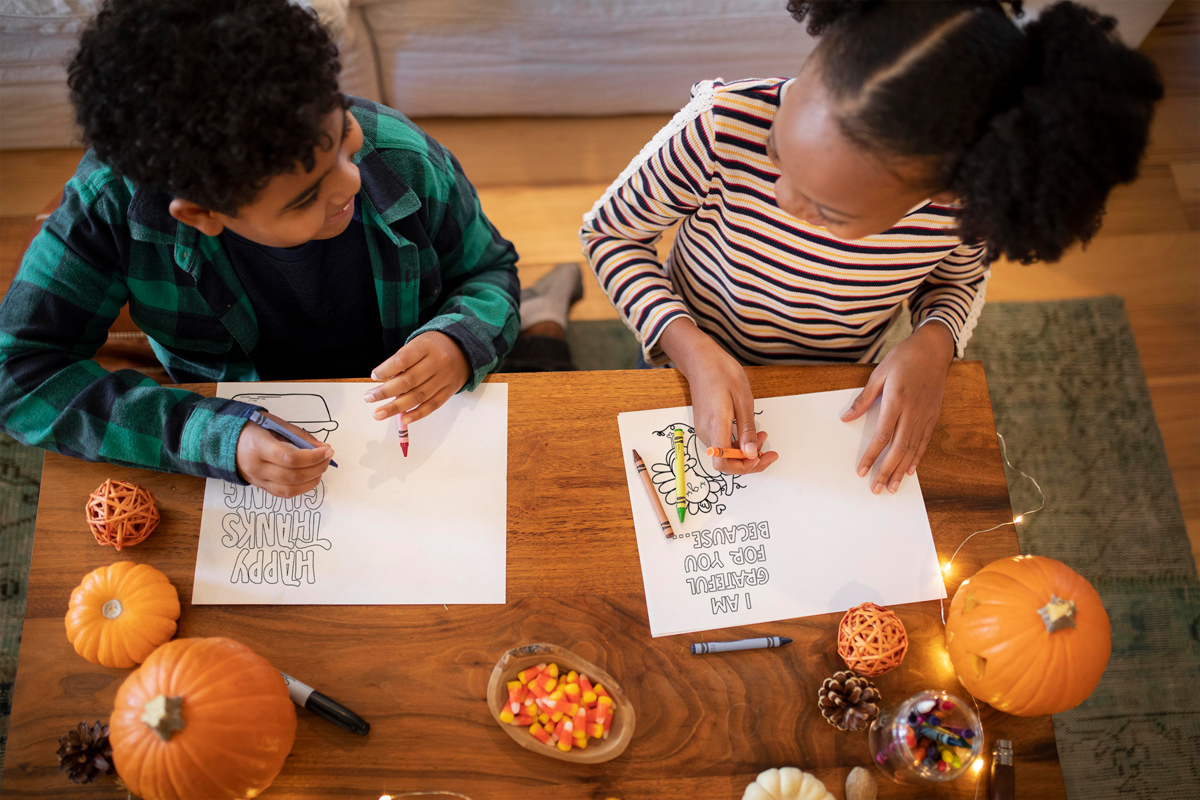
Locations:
{"points": [[279, 467], [720, 394], [422, 376], [912, 380]]}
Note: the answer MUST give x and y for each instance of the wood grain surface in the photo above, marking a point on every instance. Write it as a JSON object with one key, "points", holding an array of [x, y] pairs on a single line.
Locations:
{"points": [[706, 725]]}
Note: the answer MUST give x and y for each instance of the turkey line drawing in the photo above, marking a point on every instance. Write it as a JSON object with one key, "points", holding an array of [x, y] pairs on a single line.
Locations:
{"points": [[705, 489]]}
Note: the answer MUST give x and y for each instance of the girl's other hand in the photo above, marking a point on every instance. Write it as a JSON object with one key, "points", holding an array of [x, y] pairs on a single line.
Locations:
{"points": [[720, 394], [912, 381]]}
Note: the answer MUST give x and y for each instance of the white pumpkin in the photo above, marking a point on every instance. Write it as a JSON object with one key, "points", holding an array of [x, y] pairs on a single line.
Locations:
{"points": [[788, 783]]}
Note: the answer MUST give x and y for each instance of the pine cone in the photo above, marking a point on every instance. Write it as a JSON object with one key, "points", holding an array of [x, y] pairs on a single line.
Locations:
{"points": [[848, 701], [84, 754]]}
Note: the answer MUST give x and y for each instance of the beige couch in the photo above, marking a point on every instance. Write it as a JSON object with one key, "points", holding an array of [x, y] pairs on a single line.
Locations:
{"points": [[479, 57]]}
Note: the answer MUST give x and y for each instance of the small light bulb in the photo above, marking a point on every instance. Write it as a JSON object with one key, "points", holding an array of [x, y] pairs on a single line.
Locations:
{"points": [[1019, 518], [385, 797], [977, 766], [946, 568]]}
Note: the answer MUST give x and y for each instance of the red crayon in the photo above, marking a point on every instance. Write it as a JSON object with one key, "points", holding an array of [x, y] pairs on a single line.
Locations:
{"points": [[402, 430]]}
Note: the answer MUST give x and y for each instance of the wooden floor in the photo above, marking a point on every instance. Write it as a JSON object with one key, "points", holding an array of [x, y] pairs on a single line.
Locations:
{"points": [[537, 177]]}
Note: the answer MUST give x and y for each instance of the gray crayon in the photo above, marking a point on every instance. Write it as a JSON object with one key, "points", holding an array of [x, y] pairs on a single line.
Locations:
{"points": [[745, 644]]}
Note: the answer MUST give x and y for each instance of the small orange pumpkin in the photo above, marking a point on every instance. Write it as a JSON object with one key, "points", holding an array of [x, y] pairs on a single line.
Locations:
{"points": [[1028, 635], [120, 613], [202, 718]]}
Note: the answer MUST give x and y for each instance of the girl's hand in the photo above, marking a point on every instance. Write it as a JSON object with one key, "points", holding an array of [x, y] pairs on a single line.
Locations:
{"points": [[420, 378], [278, 466], [912, 380], [720, 394]]}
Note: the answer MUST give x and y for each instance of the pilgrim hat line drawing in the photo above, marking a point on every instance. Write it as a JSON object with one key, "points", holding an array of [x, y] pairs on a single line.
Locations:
{"points": [[307, 411]]}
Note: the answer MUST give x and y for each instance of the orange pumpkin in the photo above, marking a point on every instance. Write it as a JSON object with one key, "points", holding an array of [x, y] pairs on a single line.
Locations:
{"points": [[1028, 635], [202, 718], [120, 613]]}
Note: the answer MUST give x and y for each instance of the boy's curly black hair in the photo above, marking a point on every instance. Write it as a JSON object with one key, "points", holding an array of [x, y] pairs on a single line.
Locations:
{"points": [[1030, 127], [204, 99]]}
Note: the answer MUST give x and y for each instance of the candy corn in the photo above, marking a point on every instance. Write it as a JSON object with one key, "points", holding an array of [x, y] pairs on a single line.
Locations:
{"points": [[516, 696], [526, 675], [540, 733], [562, 710]]}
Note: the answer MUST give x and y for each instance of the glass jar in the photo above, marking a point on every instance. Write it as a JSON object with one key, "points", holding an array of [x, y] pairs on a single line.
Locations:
{"points": [[929, 738]]}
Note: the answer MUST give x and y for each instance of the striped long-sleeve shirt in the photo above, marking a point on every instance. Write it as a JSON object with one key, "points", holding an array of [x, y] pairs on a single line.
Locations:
{"points": [[770, 288]]}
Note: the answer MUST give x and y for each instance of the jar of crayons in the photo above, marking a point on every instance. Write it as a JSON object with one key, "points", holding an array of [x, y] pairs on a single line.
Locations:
{"points": [[929, 738]]}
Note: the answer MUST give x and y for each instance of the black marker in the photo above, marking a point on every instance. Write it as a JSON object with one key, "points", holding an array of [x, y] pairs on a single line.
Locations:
{"points": [[304, 695]]}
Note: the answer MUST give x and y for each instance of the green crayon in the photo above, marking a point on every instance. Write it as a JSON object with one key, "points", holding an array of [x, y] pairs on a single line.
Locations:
{"points": [[680, 475]]}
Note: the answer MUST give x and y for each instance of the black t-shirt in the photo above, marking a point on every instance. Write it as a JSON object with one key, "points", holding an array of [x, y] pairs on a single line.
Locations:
{"points": [[318, 316]]}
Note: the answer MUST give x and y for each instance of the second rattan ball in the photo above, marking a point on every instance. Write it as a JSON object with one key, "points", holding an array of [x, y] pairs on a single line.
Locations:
{"points": [[121, 514], [872, 640]]}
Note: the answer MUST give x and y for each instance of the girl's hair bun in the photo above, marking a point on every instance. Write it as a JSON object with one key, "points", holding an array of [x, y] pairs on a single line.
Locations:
{"points": [[1038, 177]]}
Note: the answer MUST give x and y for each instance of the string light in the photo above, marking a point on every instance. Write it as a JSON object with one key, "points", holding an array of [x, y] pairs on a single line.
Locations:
{"points": [[1017, 519], [977, 766]]}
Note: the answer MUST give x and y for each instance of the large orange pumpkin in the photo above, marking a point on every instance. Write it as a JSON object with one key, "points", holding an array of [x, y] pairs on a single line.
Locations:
{"points": [[120, 613], [1028, 635], [202, 719]]}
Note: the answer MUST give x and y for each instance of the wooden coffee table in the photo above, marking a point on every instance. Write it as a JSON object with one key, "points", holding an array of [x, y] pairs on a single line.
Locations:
{"points": [[705, 726]]}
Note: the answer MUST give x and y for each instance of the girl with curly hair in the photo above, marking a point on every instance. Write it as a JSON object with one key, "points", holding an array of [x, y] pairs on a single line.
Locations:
{"points": [[919, 142]]}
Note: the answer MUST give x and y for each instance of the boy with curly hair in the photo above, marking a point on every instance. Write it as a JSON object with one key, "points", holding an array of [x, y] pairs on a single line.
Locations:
{"points": [[261, 226]]}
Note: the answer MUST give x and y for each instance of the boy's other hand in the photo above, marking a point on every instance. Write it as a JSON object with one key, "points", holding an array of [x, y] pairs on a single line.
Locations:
{"points": [[720, 395], [420, 378], [279, 467], [912, 380]]}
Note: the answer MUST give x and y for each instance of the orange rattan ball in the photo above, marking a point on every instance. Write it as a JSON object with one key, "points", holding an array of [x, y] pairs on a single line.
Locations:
{"points": [[872, 640], [121, 514]]}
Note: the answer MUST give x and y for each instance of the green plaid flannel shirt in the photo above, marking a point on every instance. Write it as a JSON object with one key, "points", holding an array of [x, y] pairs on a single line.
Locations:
{"points": [[439, 265]]}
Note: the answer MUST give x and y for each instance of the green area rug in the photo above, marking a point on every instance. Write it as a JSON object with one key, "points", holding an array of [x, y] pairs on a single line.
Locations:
{"points": [[20, 474], [1071, 400]]}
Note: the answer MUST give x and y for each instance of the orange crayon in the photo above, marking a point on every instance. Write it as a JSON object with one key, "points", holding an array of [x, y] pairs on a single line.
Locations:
{"points": [[726, 452], [653, 494]]}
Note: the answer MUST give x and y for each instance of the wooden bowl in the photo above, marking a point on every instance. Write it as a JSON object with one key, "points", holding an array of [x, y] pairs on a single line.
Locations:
{"points": [[598, 750]]}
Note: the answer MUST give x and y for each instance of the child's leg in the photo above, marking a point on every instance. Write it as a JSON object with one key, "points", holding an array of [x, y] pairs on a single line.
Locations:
{"points": [[542, 344]]}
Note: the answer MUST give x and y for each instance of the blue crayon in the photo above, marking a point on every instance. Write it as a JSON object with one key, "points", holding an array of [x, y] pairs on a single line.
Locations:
{"points": [[258, 418], [941, 736]]}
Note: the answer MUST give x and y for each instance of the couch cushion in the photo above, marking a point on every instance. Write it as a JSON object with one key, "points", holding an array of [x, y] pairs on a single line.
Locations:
{"points": [[37, 39], [565, 57]]}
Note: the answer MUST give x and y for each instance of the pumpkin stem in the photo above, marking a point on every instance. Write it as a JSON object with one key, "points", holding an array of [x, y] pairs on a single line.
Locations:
{"points": [[1057, 614], [164, 715], [112, 609]]}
